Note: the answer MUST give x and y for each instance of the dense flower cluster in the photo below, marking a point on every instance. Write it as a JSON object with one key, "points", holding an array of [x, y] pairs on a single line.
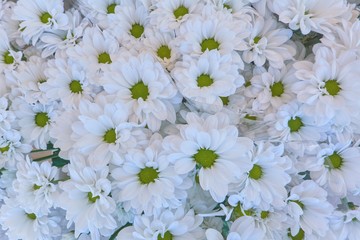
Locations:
{"points": [[179, 120]]}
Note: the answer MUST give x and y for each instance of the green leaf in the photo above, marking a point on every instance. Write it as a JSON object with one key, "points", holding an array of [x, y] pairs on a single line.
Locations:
{"points": [[59, 162]]}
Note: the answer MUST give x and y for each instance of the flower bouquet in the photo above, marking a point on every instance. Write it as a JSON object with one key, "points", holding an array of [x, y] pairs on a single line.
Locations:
{"points": [[179, 120]]}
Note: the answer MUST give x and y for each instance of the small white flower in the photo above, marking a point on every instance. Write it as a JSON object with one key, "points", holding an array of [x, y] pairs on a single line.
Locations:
{"points": [[268, 42], [38, 16], [9, 58], [145, 87], [211, 147], [86, 199], [308, 207], [34, 186]]}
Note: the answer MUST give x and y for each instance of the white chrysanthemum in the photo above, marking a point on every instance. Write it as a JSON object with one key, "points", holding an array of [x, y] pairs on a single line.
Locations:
{"points": [[35, 121], [268, 42], [337, 168], [307, 15], [271, 89], [95, 53], [243, 228], [66, 82], [39, 16], [211, 147], [30, 75], [20, 224], [347, 224], [86, 199], [8, 57], [57, 41], [162, 46], [309, 209], [104, 133], [12, 149], [132, 19], [208, 78], [34, 186], [214, 31], [344, 37], [142, 84], [7, 118], [165, 224], [264, 186], [147, 181], [327, 86], [169, 15]]}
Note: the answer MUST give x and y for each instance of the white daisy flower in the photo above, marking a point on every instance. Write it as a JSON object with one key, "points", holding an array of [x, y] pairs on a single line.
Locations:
{"points": [[211, 146], [103, 132], [56, 41], [344, 37], [336, 168], [30, 76], [265, 183], [268, 42], [66, 82], [39, 16], [308, 207], [271, 89], [20, 224], [318, 16], [35, 187], [208, 78], [86, 200], [12, 149], [35, 121], [9, 58], [145, 87], [133, 19], [347, 224], [147, 181], [178, 224], [95, 53], [169, 15], [214, 31], [327, 87], [162, 46]]}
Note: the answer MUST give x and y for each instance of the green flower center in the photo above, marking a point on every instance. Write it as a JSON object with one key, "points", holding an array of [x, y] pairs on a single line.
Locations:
{"points": [[148, 175], [5, 149], [91, 198], [250, 117], [41, 119], [36, 187], [205, 157], [334, 161], [239, 212], [75, 86], [299, 203], [164, 52], [256, 172], [277, 89], [264, 214], [167, 236], [257, 39], [225, 100], [111, 8], [104, 58], [180, 11], [45, 17], [42, 81], [227, 6], [8, 59], [295, 124], [32, 216], [209, 44], [332, 87], [136, 30], [110, 136], [139, 90], [204, 80], [299, 236]]}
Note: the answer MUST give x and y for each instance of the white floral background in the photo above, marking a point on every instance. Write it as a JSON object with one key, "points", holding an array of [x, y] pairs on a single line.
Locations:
{"points": [[179, 120]]}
